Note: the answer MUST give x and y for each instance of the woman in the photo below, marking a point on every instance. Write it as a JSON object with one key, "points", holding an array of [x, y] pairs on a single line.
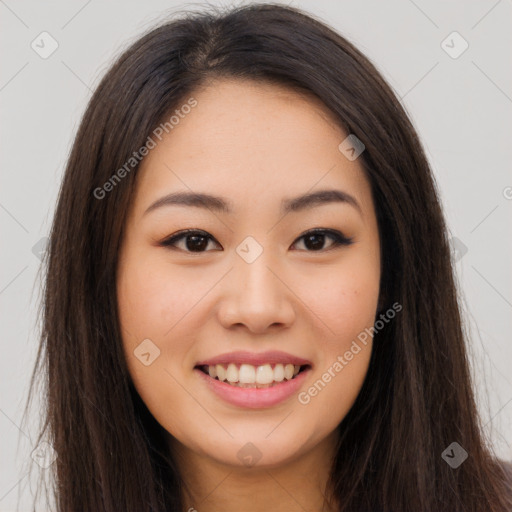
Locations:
{"points": [[249, 300]]}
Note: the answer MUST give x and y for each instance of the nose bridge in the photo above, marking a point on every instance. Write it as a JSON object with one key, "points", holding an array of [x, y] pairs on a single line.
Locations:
{"points": [[257, 297], [253, 270]]}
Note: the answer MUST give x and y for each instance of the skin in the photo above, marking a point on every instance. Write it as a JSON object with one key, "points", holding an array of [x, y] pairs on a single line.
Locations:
{"points": [[253, 144]]}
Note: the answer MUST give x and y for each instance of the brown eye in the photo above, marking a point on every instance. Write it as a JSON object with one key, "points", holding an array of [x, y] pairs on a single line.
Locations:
{"points": [[195, 241], [314, 240]]}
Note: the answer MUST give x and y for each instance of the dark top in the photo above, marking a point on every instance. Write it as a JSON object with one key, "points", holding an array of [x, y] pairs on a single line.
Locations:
{"points": [[507, 467]]}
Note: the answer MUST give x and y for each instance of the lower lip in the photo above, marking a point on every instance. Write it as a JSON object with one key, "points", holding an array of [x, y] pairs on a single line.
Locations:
{"points": [[254, 398]]}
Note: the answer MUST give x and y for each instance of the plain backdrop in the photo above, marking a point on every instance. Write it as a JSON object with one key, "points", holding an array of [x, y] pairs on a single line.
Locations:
{"points": [[458, 98]]}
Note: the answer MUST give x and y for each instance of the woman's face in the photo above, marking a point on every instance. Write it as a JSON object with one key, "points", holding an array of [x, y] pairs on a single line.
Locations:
{"points": [[252, 291]]}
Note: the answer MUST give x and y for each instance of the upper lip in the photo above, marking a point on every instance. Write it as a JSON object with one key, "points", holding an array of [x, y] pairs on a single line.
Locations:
{"points": [[255, 359]]}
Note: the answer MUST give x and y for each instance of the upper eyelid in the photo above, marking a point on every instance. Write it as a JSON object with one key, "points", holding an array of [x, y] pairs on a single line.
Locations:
{"points": [[330, 233]]}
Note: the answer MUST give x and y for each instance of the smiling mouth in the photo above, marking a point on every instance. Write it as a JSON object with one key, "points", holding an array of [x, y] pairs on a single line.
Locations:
{"points": [[250, 376]]}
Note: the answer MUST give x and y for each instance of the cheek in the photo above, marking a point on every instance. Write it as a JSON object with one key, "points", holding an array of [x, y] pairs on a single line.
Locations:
{"points": [[334, 389], [344, 298], [344, 350], [148, 304], [148, 309], [346, 305]]}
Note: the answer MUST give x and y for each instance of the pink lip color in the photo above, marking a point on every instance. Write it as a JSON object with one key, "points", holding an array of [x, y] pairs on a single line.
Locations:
{"points": [[241, 357], [254, 398]]}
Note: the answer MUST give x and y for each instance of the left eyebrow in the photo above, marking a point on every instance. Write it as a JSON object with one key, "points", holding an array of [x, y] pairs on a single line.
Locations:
{"points": [[222, 205], [321, 197]]}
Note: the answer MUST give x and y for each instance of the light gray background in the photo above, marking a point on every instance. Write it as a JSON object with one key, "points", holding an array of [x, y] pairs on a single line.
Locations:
{"points": [[461, 108]]}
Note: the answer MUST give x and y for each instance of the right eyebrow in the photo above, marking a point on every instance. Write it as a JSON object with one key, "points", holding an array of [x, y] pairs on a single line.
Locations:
{"points": [[223, 205]]}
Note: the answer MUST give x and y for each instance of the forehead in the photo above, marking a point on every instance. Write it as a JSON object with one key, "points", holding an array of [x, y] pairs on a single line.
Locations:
{"points": [[250, 142]]}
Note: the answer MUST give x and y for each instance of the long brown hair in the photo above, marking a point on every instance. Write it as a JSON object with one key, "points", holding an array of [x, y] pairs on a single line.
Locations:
{"points": [[417, 397]]}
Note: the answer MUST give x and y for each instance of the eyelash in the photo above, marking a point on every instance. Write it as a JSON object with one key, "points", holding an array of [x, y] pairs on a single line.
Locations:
{"points": [[339, 239]]}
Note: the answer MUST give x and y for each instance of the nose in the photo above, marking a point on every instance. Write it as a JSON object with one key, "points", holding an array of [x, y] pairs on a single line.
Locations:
{"points": [[257, 296]]}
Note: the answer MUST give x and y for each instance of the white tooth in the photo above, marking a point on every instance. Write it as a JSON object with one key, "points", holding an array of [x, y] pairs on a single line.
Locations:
{"points": [[247, 374], [288, 371], [232, 373], [221, 372], [296, 370], [279, 372], [212, 371], [264, 374]]}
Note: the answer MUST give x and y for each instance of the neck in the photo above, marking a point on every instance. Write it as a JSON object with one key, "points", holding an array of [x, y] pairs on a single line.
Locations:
{"points": [[295, 486]]}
